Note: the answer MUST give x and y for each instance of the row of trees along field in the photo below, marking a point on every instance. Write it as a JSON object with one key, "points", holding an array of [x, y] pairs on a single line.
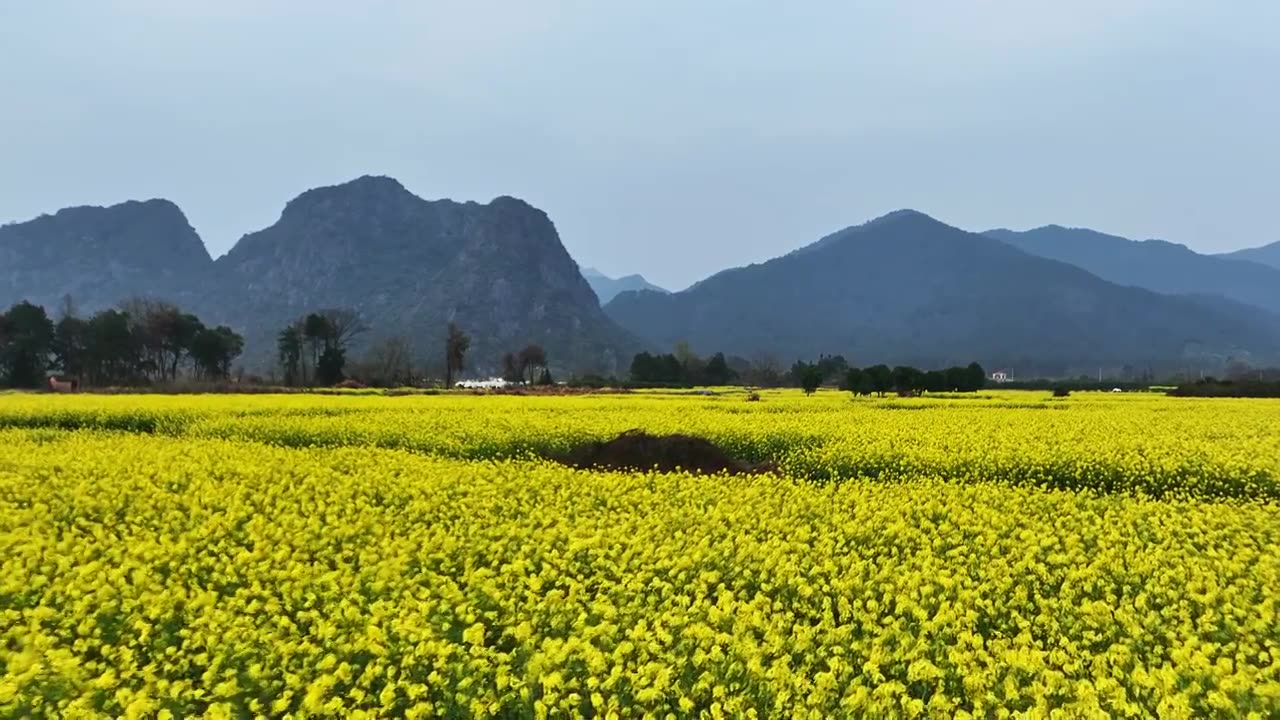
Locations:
{"points": [[882, 379], [527, 366], [146, 341], [143, 341], [682, 367], [312, 350]]}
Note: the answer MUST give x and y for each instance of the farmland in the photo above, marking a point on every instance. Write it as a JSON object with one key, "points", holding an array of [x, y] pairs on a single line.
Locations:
{"points": [[418, 556]]}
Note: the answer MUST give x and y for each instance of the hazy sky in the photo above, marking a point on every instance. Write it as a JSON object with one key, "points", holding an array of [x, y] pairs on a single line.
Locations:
{"points": [[668, 138]]}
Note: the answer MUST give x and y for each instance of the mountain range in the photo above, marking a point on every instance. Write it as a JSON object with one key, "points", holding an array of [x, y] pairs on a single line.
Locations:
{"points": [[408, 266], [904, 288], [1152, 264], [100, 256], [1267, 254], [607, 288]]}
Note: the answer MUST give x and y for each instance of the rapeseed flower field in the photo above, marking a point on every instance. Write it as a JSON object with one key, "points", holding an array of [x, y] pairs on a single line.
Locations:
{"points": [[306, 556]]}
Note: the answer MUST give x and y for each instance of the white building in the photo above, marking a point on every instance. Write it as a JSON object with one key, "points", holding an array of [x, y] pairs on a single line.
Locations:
{"points": [[489, 384], [1000, 376]]}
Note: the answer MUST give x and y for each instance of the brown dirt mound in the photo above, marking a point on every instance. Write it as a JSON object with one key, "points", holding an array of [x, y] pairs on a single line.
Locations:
{"points": [[638, 450]]}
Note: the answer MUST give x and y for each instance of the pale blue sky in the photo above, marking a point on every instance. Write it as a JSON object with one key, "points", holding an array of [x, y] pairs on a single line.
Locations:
{"points": [[668, 138]]}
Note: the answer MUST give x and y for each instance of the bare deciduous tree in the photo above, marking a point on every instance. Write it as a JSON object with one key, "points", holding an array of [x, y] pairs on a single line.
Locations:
{"points": [[390, 362]]}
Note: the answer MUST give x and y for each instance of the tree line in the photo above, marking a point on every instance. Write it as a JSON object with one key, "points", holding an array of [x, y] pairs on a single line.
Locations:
{"points": [[142, 341], [905, 380], [312, 350], [529, 366], [145, 341], [1248, 387], [681, 367]]}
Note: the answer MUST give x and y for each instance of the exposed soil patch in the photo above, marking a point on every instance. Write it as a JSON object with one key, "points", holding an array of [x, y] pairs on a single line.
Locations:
{"points": [[638, 450]]}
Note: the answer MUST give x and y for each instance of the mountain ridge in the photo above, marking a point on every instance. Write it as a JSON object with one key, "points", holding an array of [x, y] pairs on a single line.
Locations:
{"points": [[1159, 265], [409, 266], [900, 287], [907, 288], [412, 265], [1265, 254], [606, 288], [100, 255]]}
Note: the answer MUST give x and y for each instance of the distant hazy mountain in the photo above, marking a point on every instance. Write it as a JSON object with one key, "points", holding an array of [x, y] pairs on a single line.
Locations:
{"points": [[906, 288], [100, 256], [1267, 255], [606, 288], [409, 266], [1152, 264]]}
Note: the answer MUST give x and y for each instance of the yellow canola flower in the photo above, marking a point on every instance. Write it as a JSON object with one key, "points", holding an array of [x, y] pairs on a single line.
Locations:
{"points": [[1142, 443], [301, 556]]}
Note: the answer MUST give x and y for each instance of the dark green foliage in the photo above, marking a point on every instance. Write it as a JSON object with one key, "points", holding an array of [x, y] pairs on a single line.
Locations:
{"points": [[71, 346], [830, 368], [801, 369], [456, 344], [1211, 387], [880, 379], [289, 355], [324, 336], [114, 354], [113, 347], [330, 366], [511, 371], [26, 344], [657, 369], [856, 381], [681, 368], [165, 333], [975, 378], [318, 335], [594, 381], [213, 350], [906, 380], [936, 381], [810, 379], [718, 372]]}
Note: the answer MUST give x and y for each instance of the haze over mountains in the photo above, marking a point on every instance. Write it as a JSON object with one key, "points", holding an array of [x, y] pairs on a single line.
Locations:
{"points": [[1152, 264], [407, 265], [100, 256], [607, 288], [1267, 254], [410, 266], [904, 288]]}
